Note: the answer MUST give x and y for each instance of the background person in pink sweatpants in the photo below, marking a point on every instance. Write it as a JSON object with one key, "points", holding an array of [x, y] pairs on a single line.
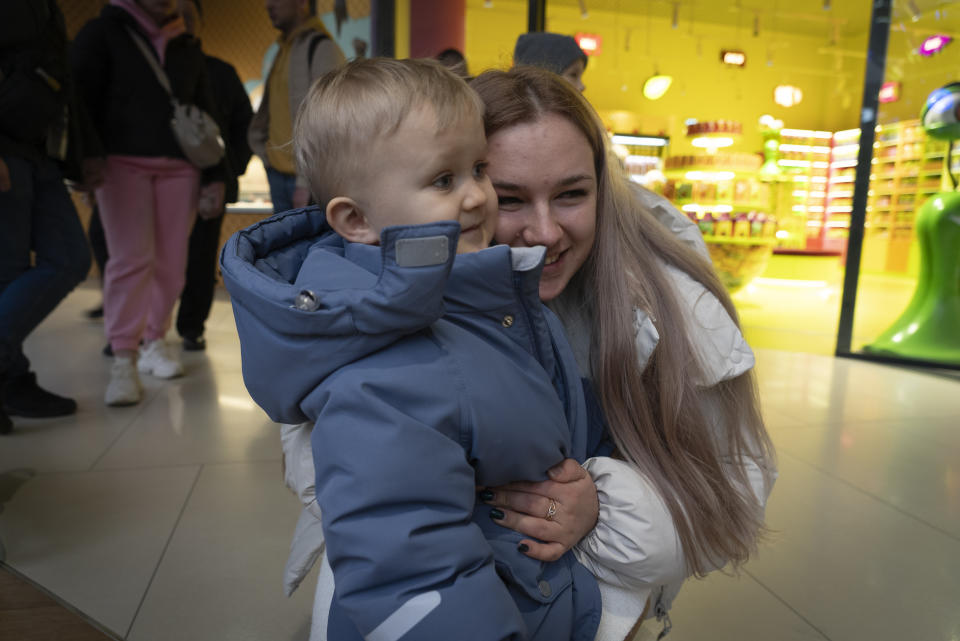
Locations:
{"points": [[150, 191]]}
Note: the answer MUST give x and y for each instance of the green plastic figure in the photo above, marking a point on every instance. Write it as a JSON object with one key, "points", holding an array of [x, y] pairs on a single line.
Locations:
{"points": [[929, 328]]}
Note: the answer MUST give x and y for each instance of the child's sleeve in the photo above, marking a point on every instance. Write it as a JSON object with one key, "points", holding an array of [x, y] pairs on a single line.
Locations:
{"points": [[397, 495]]}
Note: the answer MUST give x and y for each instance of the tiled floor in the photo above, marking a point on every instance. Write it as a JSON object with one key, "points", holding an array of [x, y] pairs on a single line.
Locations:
{"points": [[169, 520]]}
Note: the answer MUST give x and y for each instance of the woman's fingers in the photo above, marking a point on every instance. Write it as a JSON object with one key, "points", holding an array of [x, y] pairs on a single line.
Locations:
{"points": [[542, 551], [548, 531], [566, 471], [543, 488], [531, 504]]}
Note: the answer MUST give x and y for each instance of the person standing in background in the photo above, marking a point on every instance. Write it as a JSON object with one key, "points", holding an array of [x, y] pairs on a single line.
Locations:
{"points": [[233, 114], [41, 133], [149, 196], [554, 52], [306, 52]]}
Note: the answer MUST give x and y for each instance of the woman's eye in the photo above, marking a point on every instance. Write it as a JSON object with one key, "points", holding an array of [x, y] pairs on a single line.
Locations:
{"points": [[507, 201], [444, 182], [480, 170], [573, 194]]}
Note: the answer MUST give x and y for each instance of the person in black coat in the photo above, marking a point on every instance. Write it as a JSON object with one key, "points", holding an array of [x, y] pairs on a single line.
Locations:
{"points": [[41, 137], [233, 114]]}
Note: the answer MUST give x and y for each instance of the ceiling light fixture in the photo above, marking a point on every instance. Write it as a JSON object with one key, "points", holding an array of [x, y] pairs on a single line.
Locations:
{"points": [[787, 95], [639, 141], [733, 58], [656, 85], [583, 9], [934, 44], [826, 5], [711, 143], [675, 22]]}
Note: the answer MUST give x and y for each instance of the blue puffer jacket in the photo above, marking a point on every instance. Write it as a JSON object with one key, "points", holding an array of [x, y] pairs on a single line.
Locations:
{"points": [[425, 377]]}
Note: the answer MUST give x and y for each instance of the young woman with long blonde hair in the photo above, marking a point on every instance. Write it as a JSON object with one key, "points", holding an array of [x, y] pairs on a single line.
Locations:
{"points": [[659, 339]]}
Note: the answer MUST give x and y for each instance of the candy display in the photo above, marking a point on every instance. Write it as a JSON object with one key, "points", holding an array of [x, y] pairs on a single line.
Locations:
{"points": [[732, 161], [723, 194], [714, 127], [739, 260]]}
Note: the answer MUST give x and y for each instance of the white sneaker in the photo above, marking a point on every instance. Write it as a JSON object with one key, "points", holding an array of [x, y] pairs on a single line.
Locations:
{"points": [[155, 359], [124, 386]]}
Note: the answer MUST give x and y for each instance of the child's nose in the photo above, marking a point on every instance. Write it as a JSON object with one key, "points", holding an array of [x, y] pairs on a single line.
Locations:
{"points": [[475, 196]]}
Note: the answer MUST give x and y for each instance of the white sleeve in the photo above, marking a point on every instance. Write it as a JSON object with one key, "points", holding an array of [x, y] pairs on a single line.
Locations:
{"points": [[634, 544], [673, 219], [298, 473]]}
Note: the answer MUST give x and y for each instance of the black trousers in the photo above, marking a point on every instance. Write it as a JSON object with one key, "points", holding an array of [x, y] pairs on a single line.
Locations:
{"points": [[201, 277], [98, 242]]}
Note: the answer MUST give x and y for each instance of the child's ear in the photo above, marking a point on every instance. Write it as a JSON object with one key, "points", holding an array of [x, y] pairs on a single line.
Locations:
{"points": [[345, 217]]}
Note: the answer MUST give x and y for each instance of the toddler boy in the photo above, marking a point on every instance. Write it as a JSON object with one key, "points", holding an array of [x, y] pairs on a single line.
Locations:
{"points": [[423, 376]]}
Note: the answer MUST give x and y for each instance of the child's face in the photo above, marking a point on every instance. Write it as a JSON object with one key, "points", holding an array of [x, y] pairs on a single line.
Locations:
{"points": [[421, 175]]}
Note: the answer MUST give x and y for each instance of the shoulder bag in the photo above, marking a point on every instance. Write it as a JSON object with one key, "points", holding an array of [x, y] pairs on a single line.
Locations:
{"points": [[195, 130]]}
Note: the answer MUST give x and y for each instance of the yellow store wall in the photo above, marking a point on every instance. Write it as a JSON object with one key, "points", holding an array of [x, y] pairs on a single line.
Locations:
{"points": [[634, 46]]}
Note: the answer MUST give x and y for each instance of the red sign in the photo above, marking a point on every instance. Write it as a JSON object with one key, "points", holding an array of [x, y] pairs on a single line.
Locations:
{"points": [[890, 92], [589, 42]]}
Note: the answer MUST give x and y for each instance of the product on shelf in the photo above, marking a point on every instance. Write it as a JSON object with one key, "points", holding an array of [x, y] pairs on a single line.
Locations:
{"points": [[714, 127], [723, 194], [738, 263]]}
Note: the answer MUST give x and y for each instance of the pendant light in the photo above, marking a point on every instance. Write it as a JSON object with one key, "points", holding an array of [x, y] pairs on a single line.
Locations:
{"points": [[656, 85]]}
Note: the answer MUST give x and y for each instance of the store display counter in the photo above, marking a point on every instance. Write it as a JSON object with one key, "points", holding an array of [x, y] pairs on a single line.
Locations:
{"points": [[739, 260]]}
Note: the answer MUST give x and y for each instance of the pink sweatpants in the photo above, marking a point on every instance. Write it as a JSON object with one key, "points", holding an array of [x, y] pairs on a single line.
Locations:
{"points": [[147, 206]]}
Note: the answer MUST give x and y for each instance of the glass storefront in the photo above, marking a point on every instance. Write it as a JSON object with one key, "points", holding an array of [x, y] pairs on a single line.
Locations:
{"points": [[762, 127], [906, 303]]}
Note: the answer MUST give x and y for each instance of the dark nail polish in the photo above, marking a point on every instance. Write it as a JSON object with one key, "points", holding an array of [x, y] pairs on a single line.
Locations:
{"points": [[486, 495], [523, 547], [496, 514]]}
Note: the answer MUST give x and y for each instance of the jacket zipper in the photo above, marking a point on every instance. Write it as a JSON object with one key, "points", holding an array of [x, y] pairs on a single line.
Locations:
{"points": [[662, 615], [527, 317]]}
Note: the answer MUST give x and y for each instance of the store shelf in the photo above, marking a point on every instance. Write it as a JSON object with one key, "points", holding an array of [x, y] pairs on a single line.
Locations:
{"points": [[901, 183]]}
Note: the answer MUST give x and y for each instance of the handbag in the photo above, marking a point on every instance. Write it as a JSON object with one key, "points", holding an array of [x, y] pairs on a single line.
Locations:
{"points": [[195, 130]]}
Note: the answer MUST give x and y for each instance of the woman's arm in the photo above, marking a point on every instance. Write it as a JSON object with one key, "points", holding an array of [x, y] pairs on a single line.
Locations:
{"points": [[631, 541], [623, 533]]}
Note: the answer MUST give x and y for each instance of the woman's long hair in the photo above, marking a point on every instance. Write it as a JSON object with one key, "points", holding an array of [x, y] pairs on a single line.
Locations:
{"points": [[688, 440]]}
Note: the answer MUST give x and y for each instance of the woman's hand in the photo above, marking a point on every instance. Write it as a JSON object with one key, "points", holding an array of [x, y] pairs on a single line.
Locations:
{"points": [[210, 201], [559, 512], [5, 183]]}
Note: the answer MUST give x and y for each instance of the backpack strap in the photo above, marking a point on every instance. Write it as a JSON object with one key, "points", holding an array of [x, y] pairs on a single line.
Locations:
{"points": [[316, 39]]}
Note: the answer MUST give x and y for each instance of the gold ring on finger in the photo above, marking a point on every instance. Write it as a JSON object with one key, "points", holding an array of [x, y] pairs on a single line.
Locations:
{"points": [[551, 510]]}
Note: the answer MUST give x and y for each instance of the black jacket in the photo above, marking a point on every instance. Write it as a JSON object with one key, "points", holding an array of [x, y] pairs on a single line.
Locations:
{"points": [[233, 114], [35, 86], [131, 111]]}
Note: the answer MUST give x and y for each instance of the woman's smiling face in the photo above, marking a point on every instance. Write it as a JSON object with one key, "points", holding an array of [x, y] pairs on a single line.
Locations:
{"points": [[546, 184]]}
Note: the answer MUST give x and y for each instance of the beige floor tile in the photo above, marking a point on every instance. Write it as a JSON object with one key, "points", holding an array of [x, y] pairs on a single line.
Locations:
{"points": [[199, 418], [222, 572], [854, 567], [94, 539]]}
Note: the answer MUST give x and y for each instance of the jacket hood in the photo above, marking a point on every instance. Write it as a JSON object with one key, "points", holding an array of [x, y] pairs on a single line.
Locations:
{"points": [[306, 302]]}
